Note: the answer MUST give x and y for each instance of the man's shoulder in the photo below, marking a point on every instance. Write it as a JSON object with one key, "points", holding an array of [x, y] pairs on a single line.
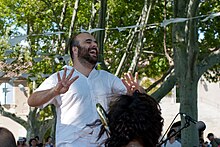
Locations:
{"points": [[177, 142], [104, 72], [217, 140]]}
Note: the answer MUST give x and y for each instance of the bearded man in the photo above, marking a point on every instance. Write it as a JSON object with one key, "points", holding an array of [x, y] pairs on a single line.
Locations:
{"points": [[76, 90]]}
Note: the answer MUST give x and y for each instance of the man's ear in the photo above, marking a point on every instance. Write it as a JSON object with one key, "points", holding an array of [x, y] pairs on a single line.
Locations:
{"points": [[75, 50]]}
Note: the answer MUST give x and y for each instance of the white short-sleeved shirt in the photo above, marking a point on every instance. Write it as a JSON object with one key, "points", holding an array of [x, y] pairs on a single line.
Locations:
{"points": [[174, 144], [77, 107]]}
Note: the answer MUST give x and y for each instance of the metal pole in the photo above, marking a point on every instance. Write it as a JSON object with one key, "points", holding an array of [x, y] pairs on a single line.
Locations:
{"points": [[5, 92]]}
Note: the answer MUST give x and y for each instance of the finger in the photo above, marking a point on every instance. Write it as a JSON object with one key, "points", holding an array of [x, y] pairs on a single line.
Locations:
{"points": [[58, 76], [126, 77], [133, 88], [125, 83], [72, 80], [129, 92], [136, 77], [70, 74], [130, 76], [64, 73]]}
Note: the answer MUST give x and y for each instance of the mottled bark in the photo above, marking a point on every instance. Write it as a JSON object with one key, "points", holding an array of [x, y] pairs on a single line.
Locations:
{"points": [[185, 44]]}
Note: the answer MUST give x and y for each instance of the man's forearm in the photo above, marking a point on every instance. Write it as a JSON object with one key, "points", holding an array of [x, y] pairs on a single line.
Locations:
{"points": [[39, 98]]}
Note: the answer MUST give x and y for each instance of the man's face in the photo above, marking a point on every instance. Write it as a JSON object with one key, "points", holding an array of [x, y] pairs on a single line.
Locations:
{"points": [[34, 142], [211, 138], [134, 144], [87, 49]]}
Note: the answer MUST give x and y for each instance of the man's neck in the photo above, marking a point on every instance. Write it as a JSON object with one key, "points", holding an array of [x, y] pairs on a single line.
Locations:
{"points": [[172, 140], [83, 68]]}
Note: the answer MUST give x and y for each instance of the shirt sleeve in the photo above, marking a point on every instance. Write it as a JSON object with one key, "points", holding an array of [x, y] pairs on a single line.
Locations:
{"points": [[217, 140], [117, 86], [49, 83]]}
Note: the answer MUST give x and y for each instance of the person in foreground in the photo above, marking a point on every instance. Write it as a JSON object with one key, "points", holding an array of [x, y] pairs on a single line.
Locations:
{"points": [[76, 90], [133, 121], [7, 139]]}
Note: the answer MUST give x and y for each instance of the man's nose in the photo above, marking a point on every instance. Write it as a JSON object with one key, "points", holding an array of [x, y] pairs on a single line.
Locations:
{"points": [[94, 44]]}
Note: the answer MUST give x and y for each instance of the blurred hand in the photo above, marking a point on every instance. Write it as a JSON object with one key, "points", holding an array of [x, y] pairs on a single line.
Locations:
{"points": [[64, 82], [131, 83]]}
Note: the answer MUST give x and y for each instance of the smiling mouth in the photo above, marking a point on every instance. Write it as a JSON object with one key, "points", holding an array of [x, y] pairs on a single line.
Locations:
{"points": [[93, 52]]}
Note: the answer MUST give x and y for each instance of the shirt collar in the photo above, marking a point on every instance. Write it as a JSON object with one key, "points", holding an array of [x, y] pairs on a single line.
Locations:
{"points": [[92, 74]]}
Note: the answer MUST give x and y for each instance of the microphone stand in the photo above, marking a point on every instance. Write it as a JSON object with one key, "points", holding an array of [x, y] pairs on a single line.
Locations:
{"points": [[186, 125]]}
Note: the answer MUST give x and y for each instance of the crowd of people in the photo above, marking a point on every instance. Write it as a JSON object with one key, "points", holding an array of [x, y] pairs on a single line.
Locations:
{"points": [[127, 118], [7, 139], [35, 142]]}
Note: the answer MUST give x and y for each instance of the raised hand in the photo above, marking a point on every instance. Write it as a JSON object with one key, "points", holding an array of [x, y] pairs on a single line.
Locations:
{"points": [[131, 83], [64, 82]]}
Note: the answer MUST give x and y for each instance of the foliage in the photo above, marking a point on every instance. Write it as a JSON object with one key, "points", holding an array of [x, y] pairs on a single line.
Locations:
{"points": [[209, 39]]}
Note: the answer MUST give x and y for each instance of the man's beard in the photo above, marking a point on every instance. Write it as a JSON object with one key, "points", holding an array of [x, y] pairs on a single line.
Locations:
{"points": [[83, 55]]}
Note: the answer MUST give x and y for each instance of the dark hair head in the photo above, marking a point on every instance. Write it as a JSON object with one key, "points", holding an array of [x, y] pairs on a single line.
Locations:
{"points": [[6, 138], [37, 137], [210, 135], [170, 132], [32, 140], [47, 139], [136, 117]]}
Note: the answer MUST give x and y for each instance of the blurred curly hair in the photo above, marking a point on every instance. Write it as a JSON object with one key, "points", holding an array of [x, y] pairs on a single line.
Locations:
{"points": [[131, 118]]}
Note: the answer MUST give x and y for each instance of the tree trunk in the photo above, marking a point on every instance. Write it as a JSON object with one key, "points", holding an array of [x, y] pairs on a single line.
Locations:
{"points": [[188, 105], [185, 38], [100, 35]]}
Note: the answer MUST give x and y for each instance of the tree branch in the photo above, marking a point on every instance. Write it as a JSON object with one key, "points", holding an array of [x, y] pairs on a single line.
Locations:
{"points": [[129, 46], [208, 62], [73, 19], [165, 38], [74, 15], [62, 15], [139, 45], [165, 88], [160, 80], [93, 15], [13, 117]]}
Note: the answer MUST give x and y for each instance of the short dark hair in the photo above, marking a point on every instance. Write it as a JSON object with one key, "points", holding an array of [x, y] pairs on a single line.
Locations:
{"points": [[136, 117], [37, 137], [32, 140], [48, 137], [170, 132], [73, 42], [210, 134], [7, 138]]}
